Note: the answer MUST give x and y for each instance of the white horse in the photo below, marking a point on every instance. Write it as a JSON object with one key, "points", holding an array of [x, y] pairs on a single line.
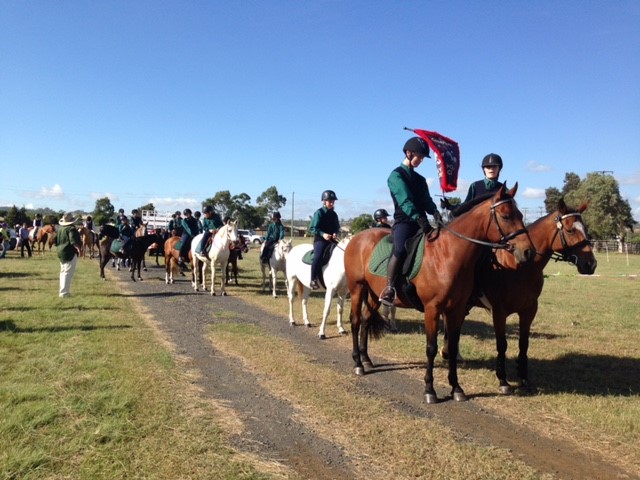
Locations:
{"points": [[277, 263], [299, 273], [217, 255]]}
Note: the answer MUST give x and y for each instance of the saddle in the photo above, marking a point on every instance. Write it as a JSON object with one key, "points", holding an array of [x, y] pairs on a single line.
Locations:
{"points": [[379, 262], [308, 260]]}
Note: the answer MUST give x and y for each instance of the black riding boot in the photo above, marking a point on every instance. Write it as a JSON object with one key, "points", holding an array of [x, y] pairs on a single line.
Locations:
{"points": [[388, 295]]}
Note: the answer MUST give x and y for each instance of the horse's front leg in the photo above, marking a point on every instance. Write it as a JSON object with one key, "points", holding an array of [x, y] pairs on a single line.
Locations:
{"points": [[454, 325], [355, 317], [499, 326], [342, 295], [213, 278], [526, 319], [305, 301], [325, 312], [274, 275]]}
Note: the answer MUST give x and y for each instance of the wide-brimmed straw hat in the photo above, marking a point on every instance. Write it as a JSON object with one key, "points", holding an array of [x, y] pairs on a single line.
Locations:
{"points": [[68, 219]]}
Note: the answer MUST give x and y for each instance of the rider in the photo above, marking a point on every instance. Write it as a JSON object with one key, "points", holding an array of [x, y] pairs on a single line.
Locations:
{"points": [[120, 217], [491, 167], [275, 233], [325, 227], [175, 224], [197, 216], [126, 233], [411, 202], [381, 216], [88, 223], [189, 230], [136, 219], [37, 224], [211, 223]]}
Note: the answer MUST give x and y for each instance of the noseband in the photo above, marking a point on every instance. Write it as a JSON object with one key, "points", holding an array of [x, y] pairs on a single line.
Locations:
{"points": [[565, 253]]}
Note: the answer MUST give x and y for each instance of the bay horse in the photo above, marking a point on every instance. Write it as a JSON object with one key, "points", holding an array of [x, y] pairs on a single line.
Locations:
{"points": [[299, 276], [46, 236], [277, 263], [505, 289], [443, 283], [139, 246], [218, 255], [237, 248], [88, 238], [171, 258]]}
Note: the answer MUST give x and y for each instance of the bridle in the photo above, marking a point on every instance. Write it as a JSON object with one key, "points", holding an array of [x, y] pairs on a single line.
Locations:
{"points": [[564, 253], [504, 238]]}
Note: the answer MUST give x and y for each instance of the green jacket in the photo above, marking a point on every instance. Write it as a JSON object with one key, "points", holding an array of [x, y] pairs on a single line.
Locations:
{"points": [[67, 239], [410, 194], [324, 221], [213, 223], [275, 232]]}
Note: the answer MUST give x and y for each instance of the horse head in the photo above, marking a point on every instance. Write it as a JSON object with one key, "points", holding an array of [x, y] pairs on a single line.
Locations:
{"points": [[571, 232], [510, 232]]}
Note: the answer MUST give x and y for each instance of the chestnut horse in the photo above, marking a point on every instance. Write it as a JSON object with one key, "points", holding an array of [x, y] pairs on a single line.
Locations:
{"points": [[171, 257], [89, 240], [505, 289], [443, 283], [46, 236]]}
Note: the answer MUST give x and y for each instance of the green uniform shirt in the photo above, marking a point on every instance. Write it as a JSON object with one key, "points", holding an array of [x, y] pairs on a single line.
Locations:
{"points": [[212, 223], [410, 194], [275, 232], [67, 238]]}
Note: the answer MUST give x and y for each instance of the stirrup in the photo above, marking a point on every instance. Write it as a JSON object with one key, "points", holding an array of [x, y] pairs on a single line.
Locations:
{"points": [[387, 296]]}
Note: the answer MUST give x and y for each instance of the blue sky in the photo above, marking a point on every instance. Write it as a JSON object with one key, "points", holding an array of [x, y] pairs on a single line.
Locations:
{"points": [[172, 101]]}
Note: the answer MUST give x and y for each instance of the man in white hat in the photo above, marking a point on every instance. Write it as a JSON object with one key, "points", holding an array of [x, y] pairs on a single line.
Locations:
{"points": [[68, 247]]}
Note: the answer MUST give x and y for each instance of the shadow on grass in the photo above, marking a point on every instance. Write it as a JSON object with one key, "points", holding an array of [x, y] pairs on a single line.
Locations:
{"points": [[10, 326], [11, 275]]}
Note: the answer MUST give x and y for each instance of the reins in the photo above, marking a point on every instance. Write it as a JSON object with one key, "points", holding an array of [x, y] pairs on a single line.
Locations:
{"points": [[504, 239], [563, 255]]}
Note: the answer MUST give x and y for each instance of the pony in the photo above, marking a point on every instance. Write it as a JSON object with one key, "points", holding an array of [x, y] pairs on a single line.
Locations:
{"points": [[277, 263], [46, 236], [299, 275], [171, 257], [139, 246], [443, 282], [504, 289], [235, 251], [218, 255], [88, 238]]}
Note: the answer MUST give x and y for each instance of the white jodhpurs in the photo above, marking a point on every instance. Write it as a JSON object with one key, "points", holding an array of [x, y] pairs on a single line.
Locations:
{"points": [[66, 274]]}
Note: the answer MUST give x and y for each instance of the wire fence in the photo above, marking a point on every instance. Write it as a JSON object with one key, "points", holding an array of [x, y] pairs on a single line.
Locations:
{"points": [[614, 245]]}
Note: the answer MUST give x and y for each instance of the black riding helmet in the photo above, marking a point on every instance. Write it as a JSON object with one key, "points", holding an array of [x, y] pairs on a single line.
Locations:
{"points": [[491, 160], [208, 209], [329, 195], [416, 145], [276, 215], [380, 213], [187, 211]]}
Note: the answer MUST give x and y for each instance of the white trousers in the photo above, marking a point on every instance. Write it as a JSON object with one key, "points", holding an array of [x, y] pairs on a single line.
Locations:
{"points": [[66, 274]]}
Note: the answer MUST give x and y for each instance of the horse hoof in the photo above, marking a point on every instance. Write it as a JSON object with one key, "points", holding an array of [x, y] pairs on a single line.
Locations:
{"points": [[431, 398], [369, 365], [506, 390], [224, 294], [459, 397], [308, 325], [359, 371], [322, 337], [444, 354], [342, 333]]}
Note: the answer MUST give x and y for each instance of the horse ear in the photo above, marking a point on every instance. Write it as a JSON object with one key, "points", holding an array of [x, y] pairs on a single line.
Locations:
{"points": [[513, 190], [583, 206], [562, 207]]}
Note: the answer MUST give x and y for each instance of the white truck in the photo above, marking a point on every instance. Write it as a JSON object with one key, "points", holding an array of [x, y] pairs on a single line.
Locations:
{"points": [[155, 219]]}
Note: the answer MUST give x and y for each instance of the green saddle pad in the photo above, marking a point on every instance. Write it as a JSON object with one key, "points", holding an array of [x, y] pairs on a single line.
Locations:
{"points": [[308, 257], [116, 245], [178, 245], [380, 257]]}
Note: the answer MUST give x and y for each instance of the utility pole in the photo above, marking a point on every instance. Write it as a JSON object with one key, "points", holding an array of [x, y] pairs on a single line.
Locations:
{"points": [[293, 202], [604, 172]]}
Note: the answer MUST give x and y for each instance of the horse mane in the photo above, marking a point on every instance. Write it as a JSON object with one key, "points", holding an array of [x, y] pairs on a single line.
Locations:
{"points": [[466, 206]]}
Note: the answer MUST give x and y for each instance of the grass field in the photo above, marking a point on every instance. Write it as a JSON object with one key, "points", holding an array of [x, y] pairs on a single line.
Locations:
{"points": [[89, 391]]}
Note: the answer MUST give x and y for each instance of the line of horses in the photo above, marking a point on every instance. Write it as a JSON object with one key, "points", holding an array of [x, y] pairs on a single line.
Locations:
{"points": [[485, 254]]}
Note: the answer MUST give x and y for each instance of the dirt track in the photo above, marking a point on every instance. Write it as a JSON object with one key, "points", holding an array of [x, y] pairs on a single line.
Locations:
{"points": [[269, 429]]}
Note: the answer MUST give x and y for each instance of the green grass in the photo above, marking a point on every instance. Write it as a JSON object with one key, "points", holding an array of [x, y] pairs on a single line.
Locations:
{"points": [[87, 391]]}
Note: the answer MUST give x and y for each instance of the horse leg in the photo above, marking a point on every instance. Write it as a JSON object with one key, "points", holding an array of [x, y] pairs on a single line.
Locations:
{"points": [[325, 312], [431, 330], [454, 324], [168, 271], [526, 319], [273, 273], [499, 326], [213, 278], [194, 273], [355, 317], [291, 294], [342, 295], [305, 302], [264, 276]]}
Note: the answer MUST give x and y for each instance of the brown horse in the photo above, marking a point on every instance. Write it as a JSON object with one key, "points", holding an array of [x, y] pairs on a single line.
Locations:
{"points": [[505, 289], [136, 252], [441, 286], [89, 239], [171, 257], [46, 236], [235, 253]]}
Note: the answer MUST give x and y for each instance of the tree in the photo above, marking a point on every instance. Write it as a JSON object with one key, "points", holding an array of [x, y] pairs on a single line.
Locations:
{"points": [[608, 214], [271, 200], [221, 202], [17, 216], [103, 212], [571, 183], [552, 197], [362, 222], [148, 206]]}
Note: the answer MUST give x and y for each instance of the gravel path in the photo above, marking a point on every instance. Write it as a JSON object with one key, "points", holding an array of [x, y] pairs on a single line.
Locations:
{"points": [[269, 429]]}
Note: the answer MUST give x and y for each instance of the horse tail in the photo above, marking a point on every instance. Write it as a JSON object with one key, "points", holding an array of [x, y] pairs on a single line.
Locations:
{"points": [[377, 326]]}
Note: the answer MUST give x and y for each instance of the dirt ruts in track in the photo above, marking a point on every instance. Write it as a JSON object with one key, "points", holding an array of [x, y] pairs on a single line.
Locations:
{"points": [[270, 431]]}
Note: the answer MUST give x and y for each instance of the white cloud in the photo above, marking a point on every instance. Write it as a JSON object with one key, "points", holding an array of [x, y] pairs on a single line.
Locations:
{"points": [[533, 166], [53, 192], [173, 204], [533, 193], [111, 196]]}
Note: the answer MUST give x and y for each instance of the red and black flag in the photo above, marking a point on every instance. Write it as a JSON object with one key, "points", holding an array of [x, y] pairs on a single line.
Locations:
{"points": [[447, 157]]}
